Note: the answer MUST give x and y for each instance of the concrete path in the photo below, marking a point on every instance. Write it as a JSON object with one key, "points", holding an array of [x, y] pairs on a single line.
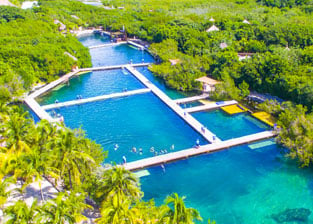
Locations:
{"points": [[184, 154], [93, 99]]}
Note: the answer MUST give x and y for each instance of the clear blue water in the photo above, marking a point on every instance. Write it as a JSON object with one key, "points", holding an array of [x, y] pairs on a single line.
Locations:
{"points": [[93, 84], [94, 40], [118, 55], [141, 121], [236, 186], [31, 114], [227, 126], [173, 94]]}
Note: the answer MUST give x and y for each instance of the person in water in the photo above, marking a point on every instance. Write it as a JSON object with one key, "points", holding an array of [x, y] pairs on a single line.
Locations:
{"points": [[197, 143], [134, 150], [173, 147], [124, 160], [116, 147], [140, 151], [152, 149]]}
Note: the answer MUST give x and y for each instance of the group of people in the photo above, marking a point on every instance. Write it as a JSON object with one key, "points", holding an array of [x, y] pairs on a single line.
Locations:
{"points": [[78, 97]]}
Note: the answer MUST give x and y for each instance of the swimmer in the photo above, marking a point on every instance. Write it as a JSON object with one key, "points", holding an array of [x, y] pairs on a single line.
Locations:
{"points": [[155, 153], [134, 150], [165, 151], [152, 149], [173, 147], [77, 97], [140, 151], [163, 167], [56, 101], [116, 147]]}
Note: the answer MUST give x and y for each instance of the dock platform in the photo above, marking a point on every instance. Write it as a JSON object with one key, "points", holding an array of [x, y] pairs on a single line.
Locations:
{"points": [[94, 99], [207, 134], [184, 154], [108, 45], [38, 110], [211, 106], [192, 99]]}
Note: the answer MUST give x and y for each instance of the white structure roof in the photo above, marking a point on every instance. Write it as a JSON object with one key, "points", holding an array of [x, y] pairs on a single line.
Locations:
{"points": [[212, 28]]}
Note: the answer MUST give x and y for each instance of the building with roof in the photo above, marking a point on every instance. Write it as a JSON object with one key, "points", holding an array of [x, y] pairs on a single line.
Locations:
{"points": [[208, 84], [212, 28]]}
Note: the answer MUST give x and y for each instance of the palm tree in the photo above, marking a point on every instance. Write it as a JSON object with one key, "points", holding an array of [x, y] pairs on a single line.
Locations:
{"points": [[117, 211], [15, 132], [65, 208], [176, 212], [20, 213], [4, 191], [120, 182], [71, 158]]}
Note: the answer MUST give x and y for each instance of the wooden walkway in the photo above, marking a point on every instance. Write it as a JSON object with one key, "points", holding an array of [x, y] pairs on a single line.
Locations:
{"points": [[94, 99], [136, 45], [207, 134], [184, 154], [38, 110], [108, 45], [191, 99], [113, 67], [210, 106]]}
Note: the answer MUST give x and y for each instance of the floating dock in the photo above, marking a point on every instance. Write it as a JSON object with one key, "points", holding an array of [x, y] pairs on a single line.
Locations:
{"points": [[108, 45], [207, 134], [211, 106], [94, 99], [113, 67], [184, 154], [38, 110], [192, 99]]}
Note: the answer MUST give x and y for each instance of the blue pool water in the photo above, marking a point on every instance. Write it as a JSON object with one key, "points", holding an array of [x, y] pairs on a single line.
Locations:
{"points": [[94, 40], [173, 94], [237, 186], [227, 126], [141, 121], [118, 55], [93, 84]]}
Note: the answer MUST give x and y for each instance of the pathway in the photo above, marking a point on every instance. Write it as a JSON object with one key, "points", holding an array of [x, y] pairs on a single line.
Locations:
{"points": [[191, 99], [207, 134], [184, 154], [108, 45], [93, 99], [210, 106]]}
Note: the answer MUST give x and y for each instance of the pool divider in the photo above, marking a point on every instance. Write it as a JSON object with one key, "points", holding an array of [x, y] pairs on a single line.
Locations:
{"points": [[192, 99], [94, 99], [184, 154], [211, 106], [195, 124], [40, 112]]}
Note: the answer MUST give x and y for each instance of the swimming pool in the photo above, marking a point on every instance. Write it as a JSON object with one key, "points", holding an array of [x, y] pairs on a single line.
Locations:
{"points": [[141, 121], [229, 126], [93, 84], [236, 186], [118, 55]]}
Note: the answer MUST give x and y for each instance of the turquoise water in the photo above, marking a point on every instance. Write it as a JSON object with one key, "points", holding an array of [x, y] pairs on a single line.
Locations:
{"points": [[173, 94], [237, 186], [94, 40], [118, 55], [93, 84], [227, 126], [141, 121]]}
